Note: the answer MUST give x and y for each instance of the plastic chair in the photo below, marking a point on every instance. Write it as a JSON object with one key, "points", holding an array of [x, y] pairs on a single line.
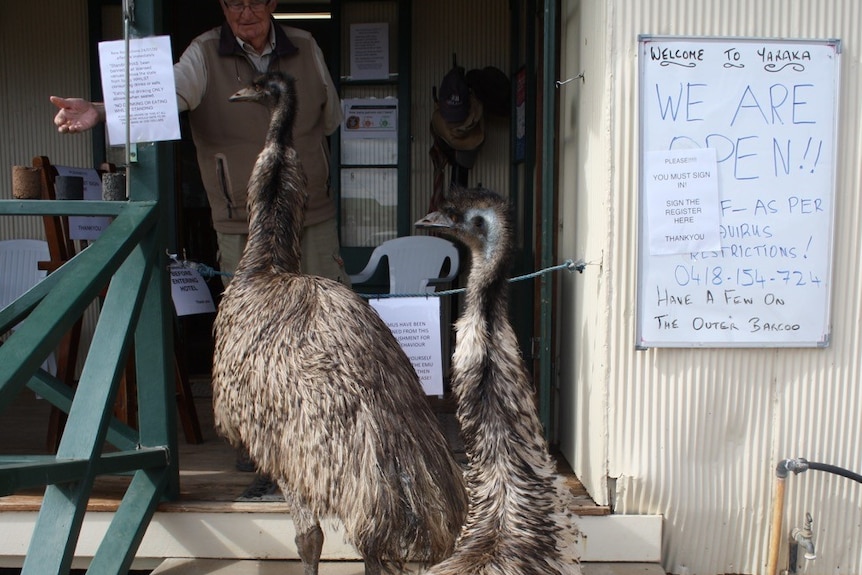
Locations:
{"points": [[415, 264], [19, 271]]}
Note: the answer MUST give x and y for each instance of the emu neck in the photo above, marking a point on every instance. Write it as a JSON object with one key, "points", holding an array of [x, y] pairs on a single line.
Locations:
{"points": [[485, 338], [280, 129], [276, 200], [501, 431], [487, 292], [487, 301]]}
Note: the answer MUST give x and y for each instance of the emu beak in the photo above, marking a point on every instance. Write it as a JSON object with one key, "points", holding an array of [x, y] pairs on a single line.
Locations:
{"points": [[247, 94], [435, 220]]}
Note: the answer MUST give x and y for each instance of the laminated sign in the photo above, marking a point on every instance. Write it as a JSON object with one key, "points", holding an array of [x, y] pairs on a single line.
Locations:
{"points": [[415, 323]]}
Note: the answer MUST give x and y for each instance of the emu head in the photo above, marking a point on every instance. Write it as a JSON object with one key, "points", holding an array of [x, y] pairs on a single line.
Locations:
{"points": [[269, 89], [478, 217]]}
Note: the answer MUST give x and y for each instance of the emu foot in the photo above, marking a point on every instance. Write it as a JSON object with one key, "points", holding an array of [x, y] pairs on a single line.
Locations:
{"points": [[309, 546]]}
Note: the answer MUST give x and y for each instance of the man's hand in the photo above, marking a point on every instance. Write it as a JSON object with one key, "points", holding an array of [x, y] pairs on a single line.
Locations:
{"points": [[75, 115]]}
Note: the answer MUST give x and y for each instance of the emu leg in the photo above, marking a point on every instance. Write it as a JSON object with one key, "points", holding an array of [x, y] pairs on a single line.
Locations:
{"points": [[372, 567], [309, 535], [309, 544]]}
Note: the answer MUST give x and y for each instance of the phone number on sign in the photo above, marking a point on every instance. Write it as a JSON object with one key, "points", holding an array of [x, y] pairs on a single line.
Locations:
{"points": [[687, 275]]}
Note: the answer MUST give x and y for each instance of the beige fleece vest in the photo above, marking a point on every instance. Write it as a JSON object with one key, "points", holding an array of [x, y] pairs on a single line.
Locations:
{"points": [[229, 135]]}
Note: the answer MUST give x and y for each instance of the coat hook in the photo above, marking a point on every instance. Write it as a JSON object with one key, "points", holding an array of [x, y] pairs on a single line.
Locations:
{"points": [[560, 83]]}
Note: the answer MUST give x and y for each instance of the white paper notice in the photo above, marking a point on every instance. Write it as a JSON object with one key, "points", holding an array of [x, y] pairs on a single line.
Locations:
{"points": [[370, 118], [189, 291], [369, 51], [152, 98], [86, 227], [682, 201], [415, 323]]}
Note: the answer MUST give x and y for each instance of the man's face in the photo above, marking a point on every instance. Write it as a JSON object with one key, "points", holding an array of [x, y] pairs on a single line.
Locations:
{"points": [[249, 19]]}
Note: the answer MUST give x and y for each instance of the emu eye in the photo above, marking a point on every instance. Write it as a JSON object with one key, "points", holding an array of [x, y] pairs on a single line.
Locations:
{"points": [[478, 222]]}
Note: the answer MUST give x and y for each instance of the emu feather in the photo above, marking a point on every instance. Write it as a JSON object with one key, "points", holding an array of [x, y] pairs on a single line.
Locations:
{"points": [[519, 519], [309, 378]]}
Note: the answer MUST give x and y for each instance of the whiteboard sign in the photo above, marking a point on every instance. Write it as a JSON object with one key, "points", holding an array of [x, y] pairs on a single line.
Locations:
{"points": [[766, 111]]}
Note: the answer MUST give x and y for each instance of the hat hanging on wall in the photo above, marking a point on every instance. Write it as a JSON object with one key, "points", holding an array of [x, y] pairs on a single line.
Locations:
{"points": [[493, 88], [458, 118], [454, 96]]}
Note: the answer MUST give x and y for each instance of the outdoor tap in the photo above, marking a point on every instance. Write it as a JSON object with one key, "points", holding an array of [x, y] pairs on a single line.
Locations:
{"points": [[805, 538]]}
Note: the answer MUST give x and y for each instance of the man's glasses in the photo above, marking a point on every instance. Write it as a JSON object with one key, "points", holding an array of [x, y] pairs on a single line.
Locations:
{"points": [[237, 6]]}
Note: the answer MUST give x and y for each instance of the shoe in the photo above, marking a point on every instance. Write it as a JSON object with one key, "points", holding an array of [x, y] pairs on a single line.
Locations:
{"points": [[262, 489]]}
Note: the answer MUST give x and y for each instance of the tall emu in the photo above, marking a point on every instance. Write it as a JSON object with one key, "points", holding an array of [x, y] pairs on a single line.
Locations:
{"points": [[309, 378], [519, 519]]}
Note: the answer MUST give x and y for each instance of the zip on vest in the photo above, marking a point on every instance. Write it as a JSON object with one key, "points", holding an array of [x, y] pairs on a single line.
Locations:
{"points": [[223, 181]]}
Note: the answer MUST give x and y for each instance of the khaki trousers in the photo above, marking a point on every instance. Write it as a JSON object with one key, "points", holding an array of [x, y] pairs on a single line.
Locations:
{"points": [[321, 253]]}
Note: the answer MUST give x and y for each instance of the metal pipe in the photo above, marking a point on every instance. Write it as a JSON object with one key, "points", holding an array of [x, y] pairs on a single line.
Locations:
{"points": [[797, 466], [781, 470], [777, 515]]}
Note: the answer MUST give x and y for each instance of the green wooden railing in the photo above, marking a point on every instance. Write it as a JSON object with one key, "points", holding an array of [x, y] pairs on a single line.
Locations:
{"points": [[126, 269], [130, 259]]}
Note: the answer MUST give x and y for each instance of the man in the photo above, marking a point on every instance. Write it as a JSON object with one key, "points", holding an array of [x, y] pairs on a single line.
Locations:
{"points": [[228, 136]]}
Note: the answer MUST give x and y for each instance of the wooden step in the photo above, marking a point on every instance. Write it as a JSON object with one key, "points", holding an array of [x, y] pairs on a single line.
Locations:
{"points": [[257, 534]]}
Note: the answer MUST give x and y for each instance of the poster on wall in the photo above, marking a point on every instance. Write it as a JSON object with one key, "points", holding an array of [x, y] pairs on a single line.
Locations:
{"points": [[681, 199], [369, 51], [737, 191], [370, 118]]}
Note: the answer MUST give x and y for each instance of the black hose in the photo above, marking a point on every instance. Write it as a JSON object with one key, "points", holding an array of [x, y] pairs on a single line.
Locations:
{"points": [[836, 470]]}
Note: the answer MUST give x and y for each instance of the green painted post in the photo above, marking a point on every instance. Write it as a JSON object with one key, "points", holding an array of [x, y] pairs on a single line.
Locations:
{"points": [[150, 180], [548, 228]]}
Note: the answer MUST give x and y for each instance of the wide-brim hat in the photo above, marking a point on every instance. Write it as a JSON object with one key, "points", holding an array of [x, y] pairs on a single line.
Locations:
{"points": [[492, 86], [463, 136]]}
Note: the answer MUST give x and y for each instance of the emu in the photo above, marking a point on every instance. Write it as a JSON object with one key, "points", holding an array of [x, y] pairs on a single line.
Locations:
{"points": [[519, 519], [309, 378]]}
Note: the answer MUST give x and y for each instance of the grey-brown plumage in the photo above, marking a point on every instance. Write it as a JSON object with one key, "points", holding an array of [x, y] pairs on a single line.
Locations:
{"points": [[519, 520], [309, 378]]}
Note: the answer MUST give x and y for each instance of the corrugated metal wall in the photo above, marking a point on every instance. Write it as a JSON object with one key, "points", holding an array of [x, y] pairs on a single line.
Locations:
{"points": [[694, 434], [44, 48], [32, 69]]}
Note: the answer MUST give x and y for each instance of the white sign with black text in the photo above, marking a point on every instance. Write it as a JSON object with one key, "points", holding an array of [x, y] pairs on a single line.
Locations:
{"points": [[415, 323], [681, 190], [152, 94], [189, 291]]}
